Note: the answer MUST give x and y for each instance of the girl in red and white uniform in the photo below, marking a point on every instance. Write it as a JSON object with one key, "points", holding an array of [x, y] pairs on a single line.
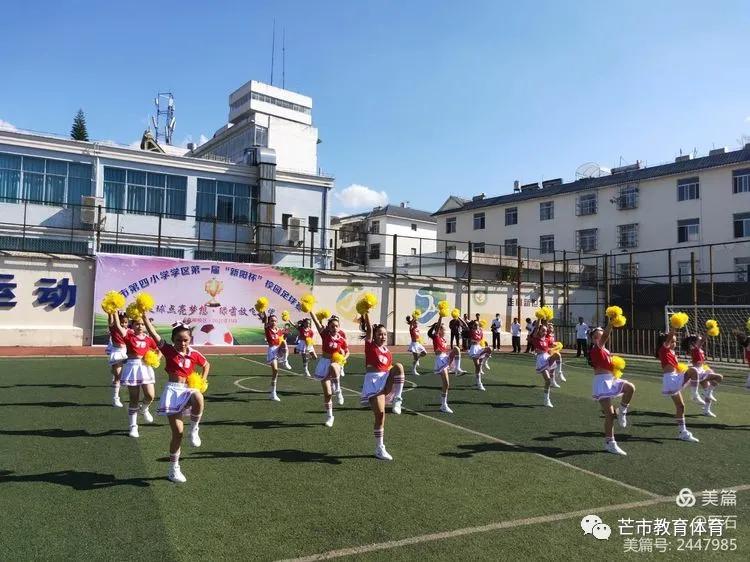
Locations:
{"points": [[445, 356], [306, 350], [673, 382], [136, 375], [117, 351], [545, 362], [708, 379], [277, 350], [558, 371], [384, 381], [416, 348], [177, 399], [479, 353], [605, 387], [326, 371]]}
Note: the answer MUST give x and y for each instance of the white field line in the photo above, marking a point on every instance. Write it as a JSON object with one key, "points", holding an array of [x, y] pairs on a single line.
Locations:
{"points": [[432, 537], [509, 444]]}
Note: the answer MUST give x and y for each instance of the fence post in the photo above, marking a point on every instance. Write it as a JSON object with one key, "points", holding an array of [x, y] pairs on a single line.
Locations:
{"points": [[671, 285], [711, 271], [98, 227], [566, 308], [632, 290], [445, 261], [695, 291], [468, 295], [420, 256], [541, 283], [518, 282], [596, 284], [607, 293], [213, 240], [335, 249], [394, 268], [23, 232], [312, 250], [158, 238]]}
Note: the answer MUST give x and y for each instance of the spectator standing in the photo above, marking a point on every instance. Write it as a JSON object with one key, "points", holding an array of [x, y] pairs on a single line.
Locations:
{"points": [[465, 333], [529, 330], [582, 334], [496, 327], [455, 327], [515, 332]]}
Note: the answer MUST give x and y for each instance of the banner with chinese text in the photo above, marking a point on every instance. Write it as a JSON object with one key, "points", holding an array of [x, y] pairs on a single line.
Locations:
{"points": [[216, 298]]}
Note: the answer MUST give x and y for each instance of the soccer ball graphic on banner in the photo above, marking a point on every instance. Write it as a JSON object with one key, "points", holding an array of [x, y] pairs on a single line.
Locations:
{"points": [[212, 334]]}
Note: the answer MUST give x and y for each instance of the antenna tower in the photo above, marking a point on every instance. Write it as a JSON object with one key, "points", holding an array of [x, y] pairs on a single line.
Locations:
{"points": [[164, 120]]}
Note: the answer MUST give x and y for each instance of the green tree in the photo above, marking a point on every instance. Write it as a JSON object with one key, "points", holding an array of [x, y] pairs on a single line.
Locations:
{"points": [[78, 131]]}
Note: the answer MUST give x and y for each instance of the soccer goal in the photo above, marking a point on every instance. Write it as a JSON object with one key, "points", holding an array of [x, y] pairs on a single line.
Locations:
{"points": [[731, 319]]}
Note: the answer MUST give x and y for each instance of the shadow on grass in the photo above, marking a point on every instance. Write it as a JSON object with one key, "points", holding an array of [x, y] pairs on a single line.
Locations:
{"points": [[496, 404], [258, 424], [621, 438], [57, 404], [60, 433], [552, 452], [77, 480], [282, 455], [52, 386]]}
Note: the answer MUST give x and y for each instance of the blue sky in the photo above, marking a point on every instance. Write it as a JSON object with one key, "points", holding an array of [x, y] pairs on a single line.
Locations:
{"points": [[415, 99]]}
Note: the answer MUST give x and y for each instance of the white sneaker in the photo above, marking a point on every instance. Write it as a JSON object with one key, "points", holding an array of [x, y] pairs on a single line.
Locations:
{"points": [[340, 398], [116, 401], [553, 383], [548, 402], [711, 396], [461, 372], [329, 421], [195, 439], [480, 386], [287, 366], [273, 396], [176, 475], [445, 409], [708, 414], [134, 431], [562, 377], [486, 365], [687, 436], [622, 418], [612, 447], [697, 398], [341, 372], [414, 372], [307, 374], [147, 415], [396, 407], [382, 454]]}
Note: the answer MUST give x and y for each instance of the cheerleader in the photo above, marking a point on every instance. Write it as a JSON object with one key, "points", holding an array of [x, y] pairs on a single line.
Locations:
{"points": [[744, 342], [605, 387], [277, 350], [416, 348], [118, 354], [444, 358], [708, 379], [135, 374], [384, 381], [303, 348], [177, 399], [345, 349], [558, 372], [545, 362], [479, 353], [673, 382], [326, 371]]}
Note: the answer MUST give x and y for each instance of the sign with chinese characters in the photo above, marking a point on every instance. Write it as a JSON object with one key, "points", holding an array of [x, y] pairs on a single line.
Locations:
{"points": [[216, 298], [48, 293]]}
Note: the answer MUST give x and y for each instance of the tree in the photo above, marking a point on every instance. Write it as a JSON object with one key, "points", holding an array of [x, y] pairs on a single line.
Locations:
{"points": [[78, 131]]}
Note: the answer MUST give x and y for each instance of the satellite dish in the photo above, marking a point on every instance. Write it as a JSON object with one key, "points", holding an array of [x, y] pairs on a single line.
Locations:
{"points": [[591, 170]]}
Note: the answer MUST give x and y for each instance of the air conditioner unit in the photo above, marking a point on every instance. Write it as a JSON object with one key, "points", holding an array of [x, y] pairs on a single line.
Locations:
{"points": [[295, 234], [90, 210]]}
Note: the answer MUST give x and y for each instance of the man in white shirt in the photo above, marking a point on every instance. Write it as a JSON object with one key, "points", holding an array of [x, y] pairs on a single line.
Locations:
{"points": [[582, 334], [515, 332], [496, 326]]}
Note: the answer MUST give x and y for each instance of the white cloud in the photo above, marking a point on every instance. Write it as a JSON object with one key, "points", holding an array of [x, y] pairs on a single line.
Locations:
{"points": [[5, 126], [360, 198], [203, 139], [747, 119]]}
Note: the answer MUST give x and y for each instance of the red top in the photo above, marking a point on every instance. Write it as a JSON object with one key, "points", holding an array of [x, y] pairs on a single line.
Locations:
{"points": [[181, 364], [414, 332], [476, 335], [550, 340], [541, 345], [139, 345], [600, 359], [273, 336], [332, 344], [439, 344], [305, 333], [747, 355], [379, 358], [116, 336], [697, 355], [667, 357]]}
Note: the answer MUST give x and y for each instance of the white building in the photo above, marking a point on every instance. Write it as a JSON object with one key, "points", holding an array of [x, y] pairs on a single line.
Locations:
{"points": [[681, 205], [366, 240], [264, 201]]}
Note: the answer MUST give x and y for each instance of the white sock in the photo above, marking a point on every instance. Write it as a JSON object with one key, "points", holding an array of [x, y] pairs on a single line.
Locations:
{"points": [[624, 408], [195, 422], [458, 363], [398, 386], [174, 459], [115, 388], [329, 408], [681, 424], [132, 416], [335, 389], [444, 399], [378, 433], [479, 378], [273, 385]]}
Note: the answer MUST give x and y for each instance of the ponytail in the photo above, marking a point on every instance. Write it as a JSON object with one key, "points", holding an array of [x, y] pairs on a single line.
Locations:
{"points": [[660, 342], [433, 330]]}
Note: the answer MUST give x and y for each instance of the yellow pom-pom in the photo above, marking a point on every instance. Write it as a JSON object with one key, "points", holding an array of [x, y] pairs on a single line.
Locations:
{"points": [[338, 358], [306, 306], [539, 314], [194, 380], [678, 320], [443, 312], [308, 341], [145, 302], [711, 323], [482, 323], [682, 367], [548, 313], [455, 313], [747, 325], [152, 359], [307, 298], [617, 373], [370, 299], [285, 315], [322, 314], [261, 304], [713, 332], [362, 307], [618, 363], [557, 347], [133, 312], [619, 321], [112, 302], [613, 311], [416, 314]]}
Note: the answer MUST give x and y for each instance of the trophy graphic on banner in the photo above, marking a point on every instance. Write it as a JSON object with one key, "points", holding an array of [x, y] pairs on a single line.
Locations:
{"points": [[213, 287]]}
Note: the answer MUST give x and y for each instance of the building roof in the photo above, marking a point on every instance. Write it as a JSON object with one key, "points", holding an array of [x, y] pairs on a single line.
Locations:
{"points": [[402, 212], [630, 176]]}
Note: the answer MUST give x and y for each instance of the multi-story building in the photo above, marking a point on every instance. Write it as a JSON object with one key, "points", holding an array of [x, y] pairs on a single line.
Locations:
{"points": [[264, 201], [684, 206], [366, 240]]}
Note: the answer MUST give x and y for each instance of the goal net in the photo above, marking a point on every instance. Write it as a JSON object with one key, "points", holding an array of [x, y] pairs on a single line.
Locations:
{"points": [[731, 319]]}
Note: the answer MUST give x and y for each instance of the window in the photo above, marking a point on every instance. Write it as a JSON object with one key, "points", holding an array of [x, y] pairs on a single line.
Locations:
{"points": [[586, 204], [688, 230], [628, 197], [547, 244], [683, 271], [742, 268], [374, 252], [312, 224], [375, 227], [413, 251], [511, 216], [44, 181], [414, 227], [688, 188], [450, 225], [627, 235], [741, 225], [741, 181], [477, 247], [478, 221], [510, 248], [145, 193], [627, 272], [586, 240], [228, 202], [285, 220], [547, 211]]}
